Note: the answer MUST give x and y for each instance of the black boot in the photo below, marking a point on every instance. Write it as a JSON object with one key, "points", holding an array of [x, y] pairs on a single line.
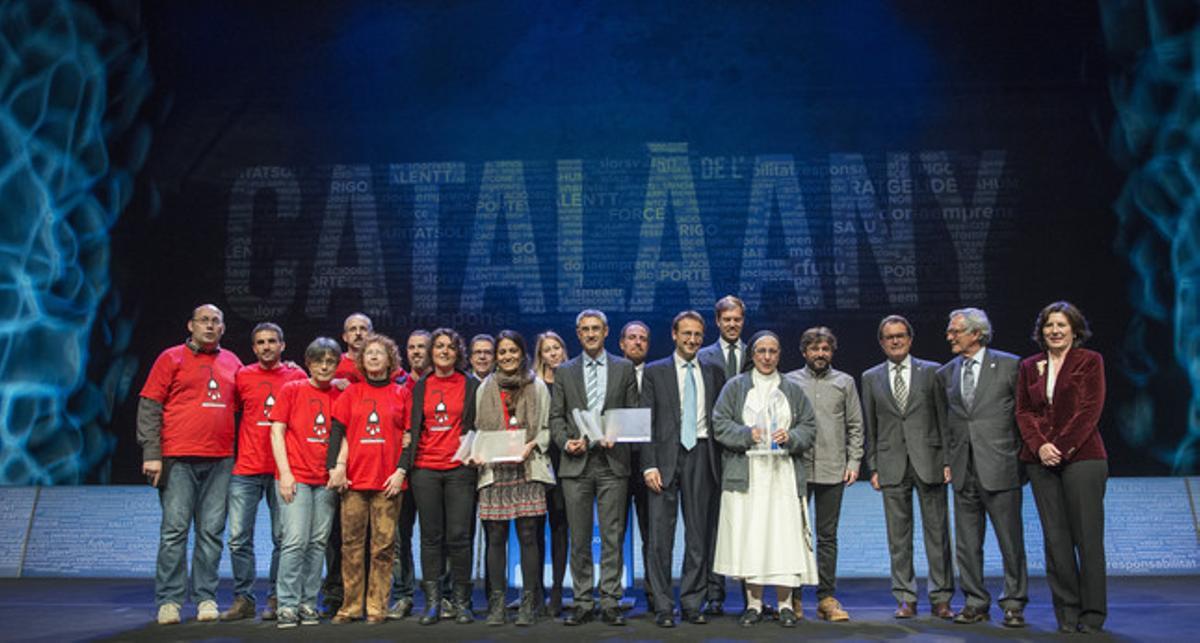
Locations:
{"points": [[433, 602], [462, 603], [555, 608], [496, 607], [527, 614]]}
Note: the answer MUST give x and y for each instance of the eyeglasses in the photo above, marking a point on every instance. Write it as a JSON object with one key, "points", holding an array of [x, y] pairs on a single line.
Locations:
{"points": [[766, 351], [955, 332], [215, 321]]}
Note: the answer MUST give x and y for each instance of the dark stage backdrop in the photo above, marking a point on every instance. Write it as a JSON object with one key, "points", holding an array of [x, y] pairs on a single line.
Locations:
{"points": [[504, 165]]}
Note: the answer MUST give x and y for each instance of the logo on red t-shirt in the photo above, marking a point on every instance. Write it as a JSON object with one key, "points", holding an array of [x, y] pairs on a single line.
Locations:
{"points": [[213, 392], [320, 424], [441, 417], [372, 427], [269, 402]]}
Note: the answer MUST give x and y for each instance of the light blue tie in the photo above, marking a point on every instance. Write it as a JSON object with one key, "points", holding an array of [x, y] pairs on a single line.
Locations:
{"points": [[688, 435], [593, 386]]}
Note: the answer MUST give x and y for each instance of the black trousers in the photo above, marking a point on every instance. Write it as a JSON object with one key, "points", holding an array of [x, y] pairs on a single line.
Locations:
{"points": [[556, 515], [639, 504], [1070, 503], [529, 531], [403, 578], [446, 509], [696, 488], [827, 504]]}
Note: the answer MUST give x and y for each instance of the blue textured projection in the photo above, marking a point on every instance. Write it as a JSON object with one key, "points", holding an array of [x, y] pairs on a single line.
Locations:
{"points": [[70, 87], [1156, 136]]}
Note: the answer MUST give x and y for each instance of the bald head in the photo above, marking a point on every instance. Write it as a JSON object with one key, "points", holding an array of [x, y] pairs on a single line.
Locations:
{"points": [[206, 326]]}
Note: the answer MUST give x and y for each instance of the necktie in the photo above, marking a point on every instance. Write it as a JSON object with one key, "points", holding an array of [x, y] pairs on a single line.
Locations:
{"points": [[968, 383], [688, 434], [899, 389], [593, 385], [731, 361]]}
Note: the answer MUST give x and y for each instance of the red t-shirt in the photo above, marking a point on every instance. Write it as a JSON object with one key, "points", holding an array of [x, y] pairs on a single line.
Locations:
{"points": [[308, 413], [375, 418], [443, 412], [347, 370], [198, 396], [258, 391]]}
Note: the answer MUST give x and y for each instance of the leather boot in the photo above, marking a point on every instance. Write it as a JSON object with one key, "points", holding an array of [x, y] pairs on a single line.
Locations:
{"points": [[527, 614], [496, 606], [433, 602], [462, 602]]}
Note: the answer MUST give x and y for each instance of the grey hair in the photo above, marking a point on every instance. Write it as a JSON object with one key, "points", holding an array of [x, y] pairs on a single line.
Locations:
{"points": [[976, 321], [591, 312]]}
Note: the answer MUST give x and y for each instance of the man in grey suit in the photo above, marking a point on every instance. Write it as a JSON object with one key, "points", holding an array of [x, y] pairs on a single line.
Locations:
{"points": [[833, 461], [904, 452], [976, 399], [593, 473], [680, 464]]}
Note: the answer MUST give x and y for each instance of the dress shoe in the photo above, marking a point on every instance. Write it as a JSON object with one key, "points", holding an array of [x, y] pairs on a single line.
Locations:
{"points": [[695, 618], [664, 619], [750, 617], [612, 616], [970, 615], [1067, 628], [1084, 628], [787, 617], [905, 610], [1014, 618], [714, 609], [831, 610], [578, 616], [942, 611]]}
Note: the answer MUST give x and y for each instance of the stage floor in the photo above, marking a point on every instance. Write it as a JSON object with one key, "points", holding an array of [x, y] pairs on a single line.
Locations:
{"points": [[1140, 609]]}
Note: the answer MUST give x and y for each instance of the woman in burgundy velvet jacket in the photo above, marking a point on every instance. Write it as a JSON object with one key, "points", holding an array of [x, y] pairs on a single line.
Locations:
{"points": [[1060, 395]]}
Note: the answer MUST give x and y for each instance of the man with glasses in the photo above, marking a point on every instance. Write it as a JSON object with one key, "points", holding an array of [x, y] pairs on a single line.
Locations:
{"points": [[977, 401], [185, 426], [483, 355]]}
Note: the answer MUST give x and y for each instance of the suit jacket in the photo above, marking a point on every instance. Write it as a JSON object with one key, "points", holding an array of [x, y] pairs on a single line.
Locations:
{"points": [[987, 431], [1071, 421], [660, 393], [570, 393], [712, 354], [895, 437]]}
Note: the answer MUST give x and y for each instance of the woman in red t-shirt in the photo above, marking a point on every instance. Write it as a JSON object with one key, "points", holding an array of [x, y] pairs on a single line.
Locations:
{"points": [[372, 417], [300, 421], [443, 410]]}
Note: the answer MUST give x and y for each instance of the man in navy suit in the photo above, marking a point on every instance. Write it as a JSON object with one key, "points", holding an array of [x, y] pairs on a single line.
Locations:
{"points": [[904, 452], [977, 399], [680, 464]]}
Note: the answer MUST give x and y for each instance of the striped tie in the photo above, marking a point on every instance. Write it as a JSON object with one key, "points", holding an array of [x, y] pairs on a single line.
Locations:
{"points": [[593, 386], [900, 390]]}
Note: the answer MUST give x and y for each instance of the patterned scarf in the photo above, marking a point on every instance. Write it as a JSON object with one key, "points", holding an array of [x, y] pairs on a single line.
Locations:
{"points": [[521, 399]]}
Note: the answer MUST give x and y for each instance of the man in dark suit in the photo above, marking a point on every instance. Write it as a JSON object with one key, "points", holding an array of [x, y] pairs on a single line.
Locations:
{"points": [[681, 464], [977, 397], [904, 452], [729, 354], [634, 344], [593, 472]]}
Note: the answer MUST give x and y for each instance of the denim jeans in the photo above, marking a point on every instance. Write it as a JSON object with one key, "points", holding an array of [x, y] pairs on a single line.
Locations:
{"points": [[244, 495], [305, 523], [196, 488]]}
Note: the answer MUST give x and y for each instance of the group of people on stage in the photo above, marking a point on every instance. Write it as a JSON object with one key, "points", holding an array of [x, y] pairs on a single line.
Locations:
{"points": [[352, 449]]}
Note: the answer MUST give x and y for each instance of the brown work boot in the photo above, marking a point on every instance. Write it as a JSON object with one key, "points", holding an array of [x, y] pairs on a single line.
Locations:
{"points": [[831, 610], [243, 607]]}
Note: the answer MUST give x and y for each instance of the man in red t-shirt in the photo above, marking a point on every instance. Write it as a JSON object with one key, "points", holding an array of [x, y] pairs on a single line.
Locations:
{"points": [[258, 387], [185, 427], [404, 582], [354, 333]]}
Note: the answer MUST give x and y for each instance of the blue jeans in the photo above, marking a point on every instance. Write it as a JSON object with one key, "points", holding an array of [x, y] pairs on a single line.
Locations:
{"points": [[244, 495], [195, 491], [305, 523]]}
